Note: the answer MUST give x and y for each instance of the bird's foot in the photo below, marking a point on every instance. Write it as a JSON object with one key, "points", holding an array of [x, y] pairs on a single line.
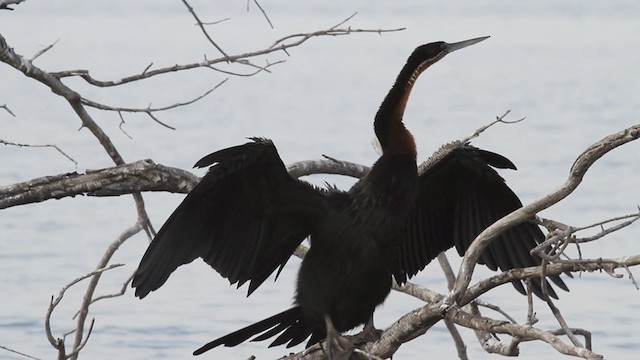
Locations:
{"points": [[365, 355], [338, 347], [368, 334]]}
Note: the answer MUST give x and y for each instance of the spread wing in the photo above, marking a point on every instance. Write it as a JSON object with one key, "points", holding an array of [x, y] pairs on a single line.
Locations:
{"points": [[459, 196], [245, 218]]}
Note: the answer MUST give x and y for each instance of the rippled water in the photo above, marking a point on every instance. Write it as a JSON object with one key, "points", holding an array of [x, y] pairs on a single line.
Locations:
{"points": [[570, 69]]}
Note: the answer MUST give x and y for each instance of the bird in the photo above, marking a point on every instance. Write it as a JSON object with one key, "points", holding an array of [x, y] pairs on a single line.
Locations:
{"points": [[247, 215]]}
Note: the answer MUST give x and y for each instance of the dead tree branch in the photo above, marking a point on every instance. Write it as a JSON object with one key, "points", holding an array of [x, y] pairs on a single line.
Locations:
{"points": [[5, 4], [243, 59], [201, 25], [4, 142], [59, 342], [4, 106], [138, 176], [264, 13], [87, 299], [149, 110]]}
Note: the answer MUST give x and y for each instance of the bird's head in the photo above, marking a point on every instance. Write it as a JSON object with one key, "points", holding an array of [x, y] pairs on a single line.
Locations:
{"points": [[388, 126], [428, 54]]}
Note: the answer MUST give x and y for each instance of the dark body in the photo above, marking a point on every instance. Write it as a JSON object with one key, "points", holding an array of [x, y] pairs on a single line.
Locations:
{"points": [[357, 240], [247, 216]]}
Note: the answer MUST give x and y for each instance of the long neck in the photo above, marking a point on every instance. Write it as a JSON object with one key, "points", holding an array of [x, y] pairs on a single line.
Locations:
{"points": [[390, 130]]}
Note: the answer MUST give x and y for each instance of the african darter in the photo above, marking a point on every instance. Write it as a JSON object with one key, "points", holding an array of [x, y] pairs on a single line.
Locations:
{"points": [[247, 216]]}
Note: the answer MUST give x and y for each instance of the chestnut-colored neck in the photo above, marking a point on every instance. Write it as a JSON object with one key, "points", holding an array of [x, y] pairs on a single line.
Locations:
{"points": [[390, 130]]}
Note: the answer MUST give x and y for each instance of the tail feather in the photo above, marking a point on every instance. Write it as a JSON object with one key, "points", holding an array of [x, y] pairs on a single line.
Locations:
{"points": [[290, 323]]}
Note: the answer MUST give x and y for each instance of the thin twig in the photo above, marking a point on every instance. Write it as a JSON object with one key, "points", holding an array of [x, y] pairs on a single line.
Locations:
{"points": [[279, 45], [201, 25], [262, 11], [531, 315], [19, 353], [499, 119], [120, 126], [120, 292], [4, 4], [54, 302], [88, 296], [149, 110], [495, 308], [4, 106], [216, 22], [40, 52], [4, 142], [632, 218], [563, 323]]}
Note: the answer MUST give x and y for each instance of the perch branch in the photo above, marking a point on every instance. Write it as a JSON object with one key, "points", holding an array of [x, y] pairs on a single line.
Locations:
{"points": [[143, 175]]}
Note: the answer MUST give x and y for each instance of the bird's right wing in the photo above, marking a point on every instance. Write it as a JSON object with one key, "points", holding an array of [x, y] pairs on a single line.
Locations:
{"points": [[461, 194], [245, 218]]}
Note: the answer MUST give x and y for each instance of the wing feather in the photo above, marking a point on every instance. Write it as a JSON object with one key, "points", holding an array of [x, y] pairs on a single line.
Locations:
{"points": [[460, 194], [245, 218]]}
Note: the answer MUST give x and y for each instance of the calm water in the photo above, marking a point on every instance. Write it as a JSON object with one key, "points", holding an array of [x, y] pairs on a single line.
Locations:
{"points": [[570, 69]]}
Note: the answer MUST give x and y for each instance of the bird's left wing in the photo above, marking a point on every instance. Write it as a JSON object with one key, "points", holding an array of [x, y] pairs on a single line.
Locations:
{"points": [[245, 218], [460, 195]]}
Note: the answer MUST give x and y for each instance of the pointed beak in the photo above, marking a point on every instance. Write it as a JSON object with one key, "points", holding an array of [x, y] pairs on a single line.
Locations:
{"points": [[463, 44]]}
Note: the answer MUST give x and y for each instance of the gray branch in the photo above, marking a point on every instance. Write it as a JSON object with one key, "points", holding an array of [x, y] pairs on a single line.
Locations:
{"points": [[144, 175], [4, 4]]}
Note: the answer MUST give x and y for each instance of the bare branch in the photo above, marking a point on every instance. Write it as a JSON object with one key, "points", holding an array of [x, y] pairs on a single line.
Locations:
{"points": [[522, 331], [120, 292], [18, 353], [4, 106], [582, 332], [149, 110], [330, 166], [216, 22], [59, 343], [255, 72], [499, 119], [120, 126], [632, 218], [10, 57], [551, 269], [142, 175], [4, 4], [4, 142], [495, 308], [279, 45], [35, 56], [563, 323], [88, 296], [461, 348], [76, 350], [262, 11], [531, 315], [201, 25]]}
